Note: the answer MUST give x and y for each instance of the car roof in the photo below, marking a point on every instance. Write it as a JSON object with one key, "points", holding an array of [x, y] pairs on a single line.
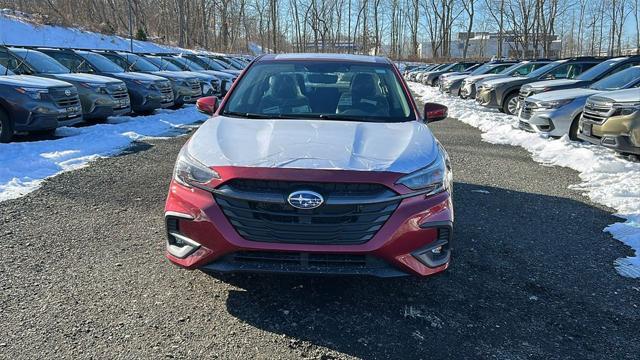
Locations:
{"points": [[325, 57]]}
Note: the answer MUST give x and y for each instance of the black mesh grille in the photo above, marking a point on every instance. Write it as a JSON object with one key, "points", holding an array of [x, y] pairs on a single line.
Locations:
{"points": [[346, 218]]}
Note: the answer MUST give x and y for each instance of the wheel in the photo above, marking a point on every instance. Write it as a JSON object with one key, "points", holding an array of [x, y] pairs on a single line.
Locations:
{"points": [[6, 127], [510, 104], [573, 130]]}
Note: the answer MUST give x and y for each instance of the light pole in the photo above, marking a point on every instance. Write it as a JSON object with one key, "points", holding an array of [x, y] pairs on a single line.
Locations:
{"points": [[130, 27]]}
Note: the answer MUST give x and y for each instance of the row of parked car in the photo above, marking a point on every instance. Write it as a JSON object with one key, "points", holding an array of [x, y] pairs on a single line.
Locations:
{"points": [[42, 89], [590, 99]]}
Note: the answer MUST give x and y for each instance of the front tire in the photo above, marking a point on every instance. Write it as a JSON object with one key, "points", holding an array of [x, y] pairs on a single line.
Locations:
{"points": [[6, 127], [510, 104], [573, 130]]}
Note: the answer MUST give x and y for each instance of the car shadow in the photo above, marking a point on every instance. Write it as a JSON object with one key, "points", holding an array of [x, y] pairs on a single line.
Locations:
{"points": [[532, 275]]}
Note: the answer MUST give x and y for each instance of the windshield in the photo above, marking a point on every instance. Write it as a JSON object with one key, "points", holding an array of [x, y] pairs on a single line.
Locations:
{"points": [[482, 69], [138, 63], [620, 80], [163, 64], [325, 90], [598, 70], [211, 64], [543, 70], [41, 63], [102, 63], [5, 71], [185, 63]]}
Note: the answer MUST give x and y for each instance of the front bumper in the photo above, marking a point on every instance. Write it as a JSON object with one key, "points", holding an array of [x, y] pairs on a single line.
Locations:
{"points": [[487, 98], [409, 242], [186, 95], [44, 116], [619, 139], [548, 122]]}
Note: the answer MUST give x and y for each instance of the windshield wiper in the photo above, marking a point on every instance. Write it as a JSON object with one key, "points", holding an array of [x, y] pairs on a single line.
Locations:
{"points": [[257, 116]]}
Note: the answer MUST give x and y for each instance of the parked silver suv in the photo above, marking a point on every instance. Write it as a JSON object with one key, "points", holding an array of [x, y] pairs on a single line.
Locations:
{"points": [[556, 113]]}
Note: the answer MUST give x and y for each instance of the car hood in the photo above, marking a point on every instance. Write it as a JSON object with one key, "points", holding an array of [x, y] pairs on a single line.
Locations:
{"points": [[314, 144], [201, 76], [31, 81], [620, 96], [183, 75], [500, 81], [219, 74], [132, 75], [457, 77], [232, 72], [88, 78], [553, 83], [563, 94], [476, 78]]}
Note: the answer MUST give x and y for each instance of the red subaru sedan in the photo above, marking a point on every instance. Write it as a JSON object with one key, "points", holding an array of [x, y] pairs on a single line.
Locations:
{"points": [[317, 164]]}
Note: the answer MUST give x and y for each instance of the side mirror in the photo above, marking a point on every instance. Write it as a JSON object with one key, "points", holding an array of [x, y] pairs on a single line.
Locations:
{"points": [[207, 105], [549, 77], [435, 112]]}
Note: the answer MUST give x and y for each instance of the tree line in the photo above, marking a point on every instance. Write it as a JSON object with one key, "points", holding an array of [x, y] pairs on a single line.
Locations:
{"points": [[397, 28]]}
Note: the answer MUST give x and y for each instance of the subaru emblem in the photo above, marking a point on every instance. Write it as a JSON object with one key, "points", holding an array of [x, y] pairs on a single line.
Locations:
{"points": [[67, 92], [305, 199]]}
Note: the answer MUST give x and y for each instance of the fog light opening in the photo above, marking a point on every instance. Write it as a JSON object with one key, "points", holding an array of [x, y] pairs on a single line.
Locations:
{"points": [[178, 244]]}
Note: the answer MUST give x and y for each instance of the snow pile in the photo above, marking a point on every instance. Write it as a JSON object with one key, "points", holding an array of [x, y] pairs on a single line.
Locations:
{"points": [[23, 166], [17, 29], [607, 179]]}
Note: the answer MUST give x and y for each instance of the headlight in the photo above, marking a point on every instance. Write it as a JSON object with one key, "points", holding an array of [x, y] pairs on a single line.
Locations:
{"points": [[192, 173], [625, 109], [99, 88], [487, 87], [554, 104], [34, 93], [436, 177]]}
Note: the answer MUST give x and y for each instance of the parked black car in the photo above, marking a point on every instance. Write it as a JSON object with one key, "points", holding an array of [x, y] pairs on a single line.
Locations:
{"points": [[503, 93], [100, 96], [186, 88], [209, 84], [452, 84], [147, 92], [212, 64], [226, 79], [35, 104]]}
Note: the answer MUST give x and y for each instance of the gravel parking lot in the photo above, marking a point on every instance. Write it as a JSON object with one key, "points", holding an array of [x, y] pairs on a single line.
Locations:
{"points": [[83, 275]]}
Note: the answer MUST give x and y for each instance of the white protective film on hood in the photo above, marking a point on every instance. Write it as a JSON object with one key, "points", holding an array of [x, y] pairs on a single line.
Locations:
{"points": [[314, 144]]}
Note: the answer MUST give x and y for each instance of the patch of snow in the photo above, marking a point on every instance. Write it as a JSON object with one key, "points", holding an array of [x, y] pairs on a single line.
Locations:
{"points": [[19, 29], [24, 165], [607, 179]]}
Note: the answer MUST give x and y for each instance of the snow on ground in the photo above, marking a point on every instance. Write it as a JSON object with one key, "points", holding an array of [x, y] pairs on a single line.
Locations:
{"points": [[606, 178], [24, 165], [17, 29]]}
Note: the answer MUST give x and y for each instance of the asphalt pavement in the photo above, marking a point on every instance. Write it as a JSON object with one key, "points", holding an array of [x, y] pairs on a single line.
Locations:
{"points": [[83, 276]]}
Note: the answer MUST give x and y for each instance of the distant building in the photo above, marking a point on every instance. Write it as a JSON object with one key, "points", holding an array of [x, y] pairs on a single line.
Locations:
{"points": [[485, 45]]}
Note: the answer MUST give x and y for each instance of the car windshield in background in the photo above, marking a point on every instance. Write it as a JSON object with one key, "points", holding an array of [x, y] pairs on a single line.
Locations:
{"points": [[102, 63], [185, 63], [595, 71], [619, 80], [40, 62], [543, 70], [214, 65], [334, 91], [138, 63], [482, 69], [163, 64], [5, 71]]}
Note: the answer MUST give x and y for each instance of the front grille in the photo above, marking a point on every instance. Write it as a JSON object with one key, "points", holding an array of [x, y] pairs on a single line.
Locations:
{"points": [[299, 258], [195, 86], [523, 94], [527, 109], [63, 100], [525, 126], [596, 112], [117, 91], [165, 89], [352, 213]]}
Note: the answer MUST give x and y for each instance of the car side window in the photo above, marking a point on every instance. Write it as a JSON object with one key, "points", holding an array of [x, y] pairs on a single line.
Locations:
{"points": [[525, 70], [561, 72]]}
